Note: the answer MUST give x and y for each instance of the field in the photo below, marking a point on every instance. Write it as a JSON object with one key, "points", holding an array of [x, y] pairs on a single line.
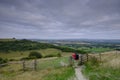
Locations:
{"points": [[99, 50], [20, 54], [102, 65], [106, 69], [47, 69]]}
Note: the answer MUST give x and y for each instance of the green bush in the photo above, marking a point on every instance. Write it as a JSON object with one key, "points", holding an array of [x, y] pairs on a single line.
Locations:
{"points": [[25, 58], [12, 60], [3, 60], [49, 55], [59, 55], [35, 55]]}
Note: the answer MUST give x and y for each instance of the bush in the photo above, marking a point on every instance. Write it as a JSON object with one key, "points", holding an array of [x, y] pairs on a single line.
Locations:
{"points": [[49, 55], [12, 60], [25, 58], [35, 55], [59, 55], [3, 60]]}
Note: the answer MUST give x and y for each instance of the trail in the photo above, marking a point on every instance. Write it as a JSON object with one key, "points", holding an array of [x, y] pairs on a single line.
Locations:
{"points": [[79, 74]]}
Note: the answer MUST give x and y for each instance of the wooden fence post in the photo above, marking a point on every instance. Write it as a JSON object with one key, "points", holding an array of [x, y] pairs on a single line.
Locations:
{"points": [[81, 57]]}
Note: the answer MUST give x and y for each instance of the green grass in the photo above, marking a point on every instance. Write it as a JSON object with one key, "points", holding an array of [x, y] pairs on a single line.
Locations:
{"points": [[102, 73], [53, 63], [20, 54], [47, 69], [60, 74], [109, 69], [14, 55], [99, 50]]}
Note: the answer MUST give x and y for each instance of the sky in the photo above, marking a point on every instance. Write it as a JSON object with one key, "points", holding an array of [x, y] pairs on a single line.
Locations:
{"points": [[60, 19]]}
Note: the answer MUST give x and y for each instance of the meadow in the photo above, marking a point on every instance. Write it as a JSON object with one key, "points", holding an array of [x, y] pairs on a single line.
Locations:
{"points": [[102, 65], [106, 69], [47, 69], [17, 55]]}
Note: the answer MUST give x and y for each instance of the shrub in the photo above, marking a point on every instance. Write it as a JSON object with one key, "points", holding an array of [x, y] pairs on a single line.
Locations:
{"points": [[3, 60], [59, 55], [25, 58], [12, 60], [35, 55], [49, 55]]}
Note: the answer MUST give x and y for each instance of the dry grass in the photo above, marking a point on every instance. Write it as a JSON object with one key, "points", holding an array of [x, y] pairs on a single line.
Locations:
{"points": [[108, 68], [47, 69], [28, 75], [111, 59], [15, 55]]}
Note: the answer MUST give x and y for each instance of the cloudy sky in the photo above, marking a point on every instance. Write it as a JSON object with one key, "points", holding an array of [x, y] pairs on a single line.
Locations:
{"points": [[60, 19]]}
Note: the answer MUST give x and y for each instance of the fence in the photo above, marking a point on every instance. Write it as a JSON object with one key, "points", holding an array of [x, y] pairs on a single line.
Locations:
{"points": [[49, 63], [82, 59], [36, 64], [101, 57]]}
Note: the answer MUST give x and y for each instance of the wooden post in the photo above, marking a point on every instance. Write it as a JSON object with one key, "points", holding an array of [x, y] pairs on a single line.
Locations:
{"points": [[35, 64], [23, 65], [81, 57]]}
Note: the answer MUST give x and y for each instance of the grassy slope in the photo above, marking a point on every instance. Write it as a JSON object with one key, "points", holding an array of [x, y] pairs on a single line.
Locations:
{"points": [[109, 69], [47, 69], [21, 54]]}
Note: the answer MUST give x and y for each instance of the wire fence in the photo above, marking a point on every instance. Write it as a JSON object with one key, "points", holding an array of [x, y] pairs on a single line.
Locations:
{"points": [[36, 64]]}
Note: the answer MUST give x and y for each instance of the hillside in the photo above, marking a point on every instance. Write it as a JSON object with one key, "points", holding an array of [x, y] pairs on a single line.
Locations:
{"points": [[7, 46], [22, 45]]}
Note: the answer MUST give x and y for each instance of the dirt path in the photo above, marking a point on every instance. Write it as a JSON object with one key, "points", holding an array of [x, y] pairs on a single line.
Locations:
{"points": [[79, 74]]}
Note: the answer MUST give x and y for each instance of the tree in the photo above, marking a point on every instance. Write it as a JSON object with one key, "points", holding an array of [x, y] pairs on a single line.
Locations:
{"points": [[35, 55]]}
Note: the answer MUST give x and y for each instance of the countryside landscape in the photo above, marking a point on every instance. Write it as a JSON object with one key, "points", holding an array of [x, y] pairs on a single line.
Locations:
{"points": [[103, 62], [59, 39]]}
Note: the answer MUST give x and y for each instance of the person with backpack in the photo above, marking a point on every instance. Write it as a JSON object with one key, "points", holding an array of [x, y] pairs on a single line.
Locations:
{"points": [[75, 57]]}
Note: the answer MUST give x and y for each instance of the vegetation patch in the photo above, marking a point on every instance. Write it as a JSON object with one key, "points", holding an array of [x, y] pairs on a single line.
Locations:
{"points": [[47, 69], [96, 70], [60, 74], [3, 60], [35, 55]]}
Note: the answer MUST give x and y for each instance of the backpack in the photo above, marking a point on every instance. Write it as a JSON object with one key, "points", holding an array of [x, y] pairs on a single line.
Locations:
{"points": [[75, 56]]}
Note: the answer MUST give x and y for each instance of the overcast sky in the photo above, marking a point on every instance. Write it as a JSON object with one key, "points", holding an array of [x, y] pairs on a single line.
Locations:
{"points": [[60, 19]]}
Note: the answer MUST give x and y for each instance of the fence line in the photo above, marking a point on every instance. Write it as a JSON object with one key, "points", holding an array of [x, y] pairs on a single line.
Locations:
{"points": [[56, 62]]}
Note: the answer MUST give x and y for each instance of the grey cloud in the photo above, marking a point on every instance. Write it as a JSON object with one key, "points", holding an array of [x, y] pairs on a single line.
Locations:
{"points": [[60, 18]]}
